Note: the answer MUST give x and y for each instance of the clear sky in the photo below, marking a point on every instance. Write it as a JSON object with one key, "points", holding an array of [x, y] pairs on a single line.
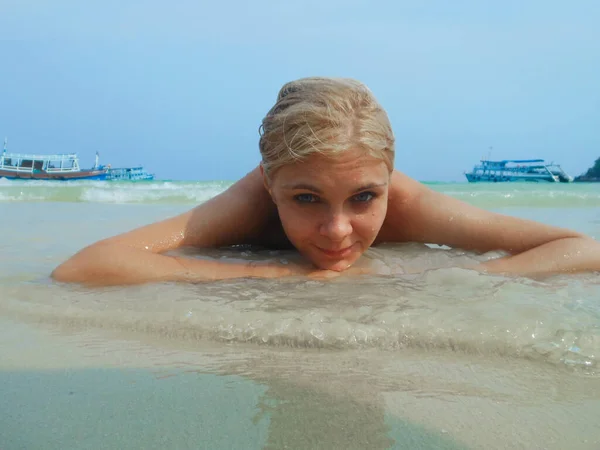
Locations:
{"points": [[181, 86]]}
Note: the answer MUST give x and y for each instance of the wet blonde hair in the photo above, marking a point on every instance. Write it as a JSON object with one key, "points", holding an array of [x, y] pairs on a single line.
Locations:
{"points": [[325, 116]]}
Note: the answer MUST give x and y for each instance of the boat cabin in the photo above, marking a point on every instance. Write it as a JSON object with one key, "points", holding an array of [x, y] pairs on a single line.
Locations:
{"points": [[20, 162]]}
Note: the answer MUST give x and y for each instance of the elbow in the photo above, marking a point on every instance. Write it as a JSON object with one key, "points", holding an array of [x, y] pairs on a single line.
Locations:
{"points": [[70, 272], [64, 273], [83, 267]]}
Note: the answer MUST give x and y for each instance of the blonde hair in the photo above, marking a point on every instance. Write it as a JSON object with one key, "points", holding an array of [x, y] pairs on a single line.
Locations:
{"points": [[325, 116]]}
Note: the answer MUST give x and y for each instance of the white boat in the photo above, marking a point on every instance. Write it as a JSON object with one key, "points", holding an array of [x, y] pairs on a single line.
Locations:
{"points": [[518, 170]]}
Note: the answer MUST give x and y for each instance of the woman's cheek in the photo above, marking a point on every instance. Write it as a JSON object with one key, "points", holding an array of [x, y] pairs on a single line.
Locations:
{"points": [[294, 223]]}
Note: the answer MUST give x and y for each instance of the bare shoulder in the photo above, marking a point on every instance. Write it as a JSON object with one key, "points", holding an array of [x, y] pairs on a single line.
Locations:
{"points": [[235, 216], [417, 213], [400, 223]]}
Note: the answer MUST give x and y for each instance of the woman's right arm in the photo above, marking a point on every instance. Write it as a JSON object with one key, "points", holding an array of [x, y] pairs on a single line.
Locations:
{"points": [[238, 215]]}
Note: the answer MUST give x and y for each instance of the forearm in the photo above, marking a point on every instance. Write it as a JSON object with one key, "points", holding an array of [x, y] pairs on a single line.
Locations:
{"points": [[106, 265], [568, 255]]}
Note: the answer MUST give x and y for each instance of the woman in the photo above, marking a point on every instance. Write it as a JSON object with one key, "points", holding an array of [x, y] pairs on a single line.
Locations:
{"points": [[326, 185]]}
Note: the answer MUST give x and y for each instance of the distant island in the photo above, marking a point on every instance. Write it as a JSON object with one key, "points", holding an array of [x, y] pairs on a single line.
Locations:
{"points": [[592, 175]]}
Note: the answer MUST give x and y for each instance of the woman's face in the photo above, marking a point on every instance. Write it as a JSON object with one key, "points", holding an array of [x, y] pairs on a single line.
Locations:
{"points": [[332, 208]]}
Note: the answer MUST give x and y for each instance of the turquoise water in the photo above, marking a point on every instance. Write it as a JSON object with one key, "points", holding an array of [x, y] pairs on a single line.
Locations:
{"points": [[440, 358], [585, 195], [127, 408]]}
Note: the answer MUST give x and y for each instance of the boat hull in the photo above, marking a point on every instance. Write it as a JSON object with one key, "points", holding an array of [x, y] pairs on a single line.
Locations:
{"points": [[49, 176], [471, 178]]}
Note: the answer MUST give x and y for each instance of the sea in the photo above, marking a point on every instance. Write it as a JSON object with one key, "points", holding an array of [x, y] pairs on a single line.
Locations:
{"points": [[430, 357]]}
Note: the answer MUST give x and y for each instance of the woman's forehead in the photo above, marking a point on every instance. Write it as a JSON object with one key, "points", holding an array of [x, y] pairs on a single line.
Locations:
{"points": [[350, 160], [325, 173]]}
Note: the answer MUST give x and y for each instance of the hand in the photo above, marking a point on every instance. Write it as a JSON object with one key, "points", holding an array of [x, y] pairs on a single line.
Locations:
{"points": [[319, 274], [305, 269]]}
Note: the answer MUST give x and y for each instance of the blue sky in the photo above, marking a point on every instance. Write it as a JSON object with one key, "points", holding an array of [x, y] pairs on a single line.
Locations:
{"points": [[181, 86]]}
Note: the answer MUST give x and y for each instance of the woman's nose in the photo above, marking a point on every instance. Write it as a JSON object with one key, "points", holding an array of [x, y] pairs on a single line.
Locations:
{"points": [[336, 227]]}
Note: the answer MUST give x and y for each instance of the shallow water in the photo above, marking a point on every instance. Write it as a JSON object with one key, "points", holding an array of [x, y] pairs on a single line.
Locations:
{"points": [[430, 356]]}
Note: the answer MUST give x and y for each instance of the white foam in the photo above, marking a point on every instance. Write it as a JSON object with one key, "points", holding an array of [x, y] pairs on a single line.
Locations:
{"points": [[109, 192], [151, 193], [447, 309]]}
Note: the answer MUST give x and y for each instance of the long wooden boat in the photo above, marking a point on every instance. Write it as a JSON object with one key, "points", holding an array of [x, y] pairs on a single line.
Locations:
{"points": [[61, 167]]}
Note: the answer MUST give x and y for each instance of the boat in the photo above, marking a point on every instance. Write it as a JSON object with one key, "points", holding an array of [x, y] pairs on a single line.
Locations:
{"points": [[128, 174], [62, 167], [517, 170]]}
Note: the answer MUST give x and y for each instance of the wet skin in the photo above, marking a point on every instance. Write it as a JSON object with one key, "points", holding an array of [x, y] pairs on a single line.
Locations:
{"points": [[331, 209]]}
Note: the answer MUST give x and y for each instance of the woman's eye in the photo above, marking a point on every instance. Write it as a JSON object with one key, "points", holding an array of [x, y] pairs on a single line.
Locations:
{"points": [[306, 198], [363, 197]]}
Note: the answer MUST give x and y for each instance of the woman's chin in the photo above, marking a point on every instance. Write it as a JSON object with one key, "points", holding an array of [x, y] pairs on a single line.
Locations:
{"points": [[336, 266], [326, 261]]}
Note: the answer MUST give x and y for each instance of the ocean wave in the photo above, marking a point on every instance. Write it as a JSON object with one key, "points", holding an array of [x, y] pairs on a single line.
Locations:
{"points": [[116, 193], [565, 197], [182, 192], [450, 309]]}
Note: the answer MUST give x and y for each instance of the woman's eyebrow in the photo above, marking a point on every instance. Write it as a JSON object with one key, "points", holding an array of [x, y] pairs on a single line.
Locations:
{"points": [[310, 187], [305, 186], [371, 186]]}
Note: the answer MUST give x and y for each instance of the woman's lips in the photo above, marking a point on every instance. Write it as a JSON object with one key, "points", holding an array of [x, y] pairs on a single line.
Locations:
{"points": [[336, 254]]}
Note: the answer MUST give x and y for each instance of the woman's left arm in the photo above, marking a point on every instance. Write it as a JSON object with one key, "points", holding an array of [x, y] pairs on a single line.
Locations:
{"points": [[566, 255], [419, 214]]}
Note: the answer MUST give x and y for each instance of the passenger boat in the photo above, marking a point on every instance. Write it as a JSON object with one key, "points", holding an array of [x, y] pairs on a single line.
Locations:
{"points": [[128, 174], [63, 167], [518, 170]]}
